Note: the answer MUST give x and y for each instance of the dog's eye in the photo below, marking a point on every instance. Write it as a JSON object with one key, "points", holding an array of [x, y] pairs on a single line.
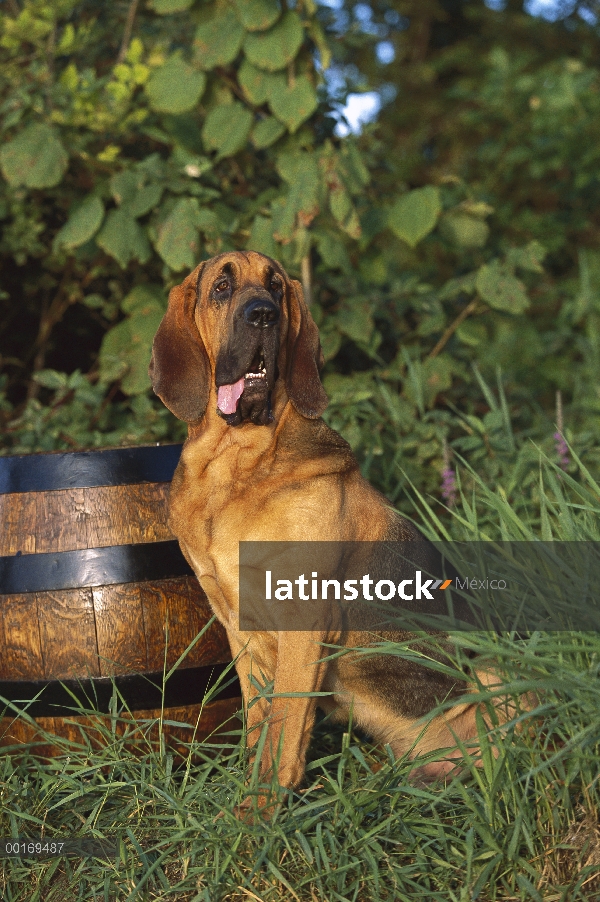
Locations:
{"points": [[221, 287], [275, 284]]}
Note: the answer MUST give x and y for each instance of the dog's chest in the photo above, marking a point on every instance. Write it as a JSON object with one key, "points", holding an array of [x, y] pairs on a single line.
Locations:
{"points": [[214, 504], [206, 490]]}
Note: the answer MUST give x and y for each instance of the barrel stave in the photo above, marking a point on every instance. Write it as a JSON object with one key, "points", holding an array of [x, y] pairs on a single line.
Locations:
{"points": [[21, 657], [117, 629], [63, 614]]}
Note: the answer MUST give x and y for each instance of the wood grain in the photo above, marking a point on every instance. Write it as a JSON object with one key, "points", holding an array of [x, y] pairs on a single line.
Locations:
{"points": [[105, 631], [19, 524], [127, 514], [21, 657], [146, 510], [60, 521], [18, 732], [105, 519], [120, 629], [68, 634], [69, 519], [177, 610], [217, 722]]}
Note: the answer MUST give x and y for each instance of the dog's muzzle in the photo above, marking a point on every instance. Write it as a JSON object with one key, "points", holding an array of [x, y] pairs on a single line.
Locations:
{"points": [[247, 367], [261, 313]]}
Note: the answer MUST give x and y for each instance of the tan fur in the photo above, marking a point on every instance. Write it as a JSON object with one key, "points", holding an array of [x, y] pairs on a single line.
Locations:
{"points": [[294, 479]]}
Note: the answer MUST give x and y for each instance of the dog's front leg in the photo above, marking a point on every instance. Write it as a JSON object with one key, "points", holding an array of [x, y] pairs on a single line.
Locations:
{"points": [[290, 717], [256, 705], [299, 672]]}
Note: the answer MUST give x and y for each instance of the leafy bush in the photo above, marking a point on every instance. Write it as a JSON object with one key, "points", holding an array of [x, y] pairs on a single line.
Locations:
{"points": [[452, 245]]}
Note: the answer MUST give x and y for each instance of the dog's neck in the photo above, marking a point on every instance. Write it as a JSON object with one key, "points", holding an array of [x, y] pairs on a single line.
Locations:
{"points": [[247, 435], [251, 449]]}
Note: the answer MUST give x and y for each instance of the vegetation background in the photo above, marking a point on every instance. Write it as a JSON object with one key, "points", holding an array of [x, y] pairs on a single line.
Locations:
{"points": [[451, 246], [451, 253]]}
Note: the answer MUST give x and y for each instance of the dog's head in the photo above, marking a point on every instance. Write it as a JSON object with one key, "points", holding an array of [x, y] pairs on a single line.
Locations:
{"points": [[240, 324]]}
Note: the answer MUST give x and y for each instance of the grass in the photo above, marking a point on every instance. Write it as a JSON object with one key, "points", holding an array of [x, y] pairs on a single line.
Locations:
{"points": [[523, 826]]}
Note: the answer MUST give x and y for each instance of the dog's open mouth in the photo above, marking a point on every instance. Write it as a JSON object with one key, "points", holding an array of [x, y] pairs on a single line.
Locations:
{"points": [[248, 397]]}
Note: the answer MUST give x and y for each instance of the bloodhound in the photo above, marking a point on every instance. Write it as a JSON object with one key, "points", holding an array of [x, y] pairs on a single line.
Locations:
{"points": [[237, 356]]}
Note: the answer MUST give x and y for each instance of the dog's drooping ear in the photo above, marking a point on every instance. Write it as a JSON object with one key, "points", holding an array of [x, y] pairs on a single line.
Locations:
{"points": [[179, 368], [304, 358]]}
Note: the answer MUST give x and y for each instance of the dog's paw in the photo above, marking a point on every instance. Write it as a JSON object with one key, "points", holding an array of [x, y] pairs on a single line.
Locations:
{"points": [[254, 808]]}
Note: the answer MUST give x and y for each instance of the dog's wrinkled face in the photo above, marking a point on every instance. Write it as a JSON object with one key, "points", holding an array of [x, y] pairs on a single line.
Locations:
{"points": [[247, 291], [233, 328]]}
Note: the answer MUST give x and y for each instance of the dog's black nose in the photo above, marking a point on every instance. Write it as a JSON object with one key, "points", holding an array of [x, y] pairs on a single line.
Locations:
{"points": [[261, 313]]}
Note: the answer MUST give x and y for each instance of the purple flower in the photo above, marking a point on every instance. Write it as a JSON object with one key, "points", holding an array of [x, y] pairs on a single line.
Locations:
{"points": [[449, 488], [561, 450]]}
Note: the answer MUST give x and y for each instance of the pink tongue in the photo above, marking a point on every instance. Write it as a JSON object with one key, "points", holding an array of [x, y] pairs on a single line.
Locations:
{"points": [[228, 395]]}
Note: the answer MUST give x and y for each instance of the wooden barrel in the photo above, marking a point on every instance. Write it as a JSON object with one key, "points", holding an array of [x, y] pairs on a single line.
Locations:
{"points": [[95, 594]]}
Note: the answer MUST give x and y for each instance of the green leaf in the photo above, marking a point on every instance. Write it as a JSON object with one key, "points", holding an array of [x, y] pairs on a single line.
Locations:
{"points": [[274, 49], [301, 172], [143, 327], [209, 223], [141, 297], [340, 203], [332, 250], [258, 86], [588, 296], [126, 348], [266, 132], [472, 333], [177, 235], [82, 224], [294, 105], [321, 43], [343, 210], [372, 222], [499, 288], [36, 158], [455, 287], [529, 257], [356, 321], [226, 128], [51, 379], [435, 375], [349, 389], [300, 167], [124, 185], [194, 165], [284, 219], [164, 7], [261, 237], [146, 199], [291, 253], [128, 189], [465, 230], [217, 41], [175, 87], [122, 238], [356, 174], [331, 342], [258, 15], [414, 215]]}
